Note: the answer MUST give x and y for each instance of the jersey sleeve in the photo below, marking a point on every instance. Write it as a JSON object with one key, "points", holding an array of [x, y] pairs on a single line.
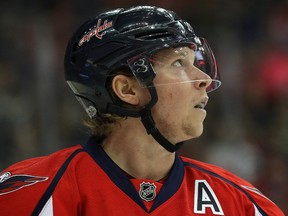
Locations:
{"points": [[262, 203], [241, 193], [23, 184]]}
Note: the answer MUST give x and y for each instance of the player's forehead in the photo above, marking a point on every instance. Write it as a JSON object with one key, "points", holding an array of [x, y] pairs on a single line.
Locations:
{"points": [[171, 53]]}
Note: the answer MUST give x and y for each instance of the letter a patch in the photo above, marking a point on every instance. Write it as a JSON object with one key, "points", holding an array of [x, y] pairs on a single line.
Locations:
{"points": [[204, 197]]}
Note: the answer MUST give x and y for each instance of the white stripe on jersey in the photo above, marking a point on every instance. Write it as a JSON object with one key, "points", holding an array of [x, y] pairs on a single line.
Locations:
{"points": [[257, 213], [48, 208]]}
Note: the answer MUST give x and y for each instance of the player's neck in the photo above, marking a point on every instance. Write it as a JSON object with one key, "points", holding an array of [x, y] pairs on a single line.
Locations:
{"points": [[137, 153]]}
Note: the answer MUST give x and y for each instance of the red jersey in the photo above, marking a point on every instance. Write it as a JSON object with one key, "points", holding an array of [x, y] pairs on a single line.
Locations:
{"points": [[83, 180]]}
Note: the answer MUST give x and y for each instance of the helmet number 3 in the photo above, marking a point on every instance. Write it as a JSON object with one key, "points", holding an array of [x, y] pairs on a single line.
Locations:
{"points": [[140, 66]]}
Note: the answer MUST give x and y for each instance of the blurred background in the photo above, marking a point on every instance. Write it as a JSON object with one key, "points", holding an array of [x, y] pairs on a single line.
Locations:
{"points": [[246, 129]]}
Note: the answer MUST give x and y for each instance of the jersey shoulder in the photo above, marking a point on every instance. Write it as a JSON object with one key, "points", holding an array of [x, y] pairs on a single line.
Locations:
{"points": [[23, 184], [233, 185], [207, 169], [44, 164]]}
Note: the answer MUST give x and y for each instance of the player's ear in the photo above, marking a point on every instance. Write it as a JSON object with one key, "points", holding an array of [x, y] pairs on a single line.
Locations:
{"points": [[127, 89]]}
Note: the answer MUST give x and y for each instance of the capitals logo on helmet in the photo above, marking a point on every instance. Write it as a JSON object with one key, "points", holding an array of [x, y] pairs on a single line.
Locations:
{"points": [[98, 31]]}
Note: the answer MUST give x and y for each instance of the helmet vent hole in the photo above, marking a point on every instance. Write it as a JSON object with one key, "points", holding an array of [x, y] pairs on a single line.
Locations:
{"points": [[152, 35]]}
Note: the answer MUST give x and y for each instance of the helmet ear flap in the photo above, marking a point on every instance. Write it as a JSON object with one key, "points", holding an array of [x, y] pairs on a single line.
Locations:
{"points": [[88, 106]]}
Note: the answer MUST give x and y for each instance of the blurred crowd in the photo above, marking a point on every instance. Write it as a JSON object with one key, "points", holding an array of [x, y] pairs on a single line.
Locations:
{"points": [[246, 129]]}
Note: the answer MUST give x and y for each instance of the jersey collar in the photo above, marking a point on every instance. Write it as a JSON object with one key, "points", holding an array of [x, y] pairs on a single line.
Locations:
{"points": [[116, 174]]}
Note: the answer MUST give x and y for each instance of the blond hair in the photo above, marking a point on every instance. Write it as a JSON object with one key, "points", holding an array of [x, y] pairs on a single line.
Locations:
{"points": [[102, 127]]}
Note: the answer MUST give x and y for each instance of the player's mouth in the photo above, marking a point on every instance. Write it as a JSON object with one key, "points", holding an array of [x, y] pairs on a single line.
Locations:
{"points": [[201, 105]]}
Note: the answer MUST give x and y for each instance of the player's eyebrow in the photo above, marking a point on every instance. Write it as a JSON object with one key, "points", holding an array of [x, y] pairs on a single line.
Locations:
{"points": [[180, 52], [172, 53], [169, 53]]}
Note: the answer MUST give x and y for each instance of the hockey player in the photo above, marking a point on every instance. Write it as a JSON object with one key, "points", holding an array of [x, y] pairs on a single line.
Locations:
{"points": [[142, 75]]}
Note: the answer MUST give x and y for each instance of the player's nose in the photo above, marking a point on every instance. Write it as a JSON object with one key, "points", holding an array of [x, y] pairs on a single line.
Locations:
{"points": [[203, 81]]}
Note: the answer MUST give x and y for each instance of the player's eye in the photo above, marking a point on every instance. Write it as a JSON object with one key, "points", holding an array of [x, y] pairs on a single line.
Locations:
{"points": [[178, 63]]}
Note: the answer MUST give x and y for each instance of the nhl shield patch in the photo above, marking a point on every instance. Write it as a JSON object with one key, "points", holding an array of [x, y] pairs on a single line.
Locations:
{"points": [[147, 191]]}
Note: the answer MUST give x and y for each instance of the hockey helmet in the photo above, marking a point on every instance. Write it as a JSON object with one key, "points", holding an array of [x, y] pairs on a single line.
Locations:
{"points": [[127, 39]]}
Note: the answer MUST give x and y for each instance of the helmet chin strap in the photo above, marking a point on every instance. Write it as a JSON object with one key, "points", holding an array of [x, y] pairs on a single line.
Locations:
{"points": [[150, 126]]}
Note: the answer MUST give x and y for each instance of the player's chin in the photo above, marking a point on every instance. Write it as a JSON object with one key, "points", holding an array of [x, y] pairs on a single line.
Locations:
{"points": [[195, 132], [198, 133]]}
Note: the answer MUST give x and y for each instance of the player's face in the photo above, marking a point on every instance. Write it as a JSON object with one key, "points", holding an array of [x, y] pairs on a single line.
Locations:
{"points": [[179, 112]]}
